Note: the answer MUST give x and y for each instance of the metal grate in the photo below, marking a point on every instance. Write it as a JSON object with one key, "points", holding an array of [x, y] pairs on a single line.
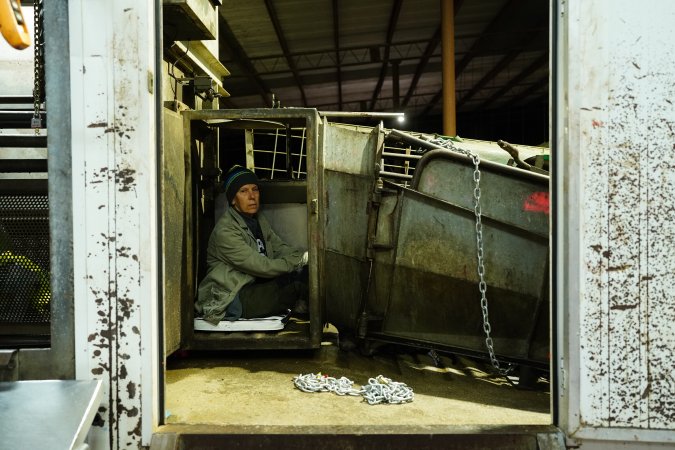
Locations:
{"points": [[24, 259], [398, 162], [270, 150]]}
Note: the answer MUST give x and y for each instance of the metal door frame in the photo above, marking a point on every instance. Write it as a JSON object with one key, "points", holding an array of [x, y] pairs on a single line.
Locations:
{"points": [[57, 361], [310, 119]]}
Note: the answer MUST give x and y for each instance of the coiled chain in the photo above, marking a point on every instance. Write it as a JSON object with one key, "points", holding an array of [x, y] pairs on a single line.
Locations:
{"points": [[378, 390]]}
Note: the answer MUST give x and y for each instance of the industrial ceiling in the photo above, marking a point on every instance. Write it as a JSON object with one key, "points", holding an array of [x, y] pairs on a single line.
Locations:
{"points": [[346, 55]]}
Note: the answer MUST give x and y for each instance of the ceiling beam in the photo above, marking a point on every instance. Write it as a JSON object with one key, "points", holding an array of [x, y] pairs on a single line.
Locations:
{"points": [[534, 87], [501, 64], [240, 85], [424, 60], [497, 69], [393, 20], [481, 41], [432, 102], [336, 43], [493, 28], [526, 72], [284, 47], [323, 59], [417, 102], [228, 39]]}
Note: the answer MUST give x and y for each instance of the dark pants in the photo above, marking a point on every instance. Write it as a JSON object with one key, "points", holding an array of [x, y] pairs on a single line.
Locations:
{"points": [[274, 297]]}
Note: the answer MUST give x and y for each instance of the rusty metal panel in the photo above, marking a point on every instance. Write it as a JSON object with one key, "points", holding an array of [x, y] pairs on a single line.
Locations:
{"points": [[435, 296], [346, 215], [510, 196], [350, 151], [173, 230], [348, 177]]}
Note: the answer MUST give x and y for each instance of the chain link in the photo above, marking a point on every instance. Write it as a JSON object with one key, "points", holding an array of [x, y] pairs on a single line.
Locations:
{"points": [[323, 383], [383, 390], [38, 65], [378, 390], [482, 285]]}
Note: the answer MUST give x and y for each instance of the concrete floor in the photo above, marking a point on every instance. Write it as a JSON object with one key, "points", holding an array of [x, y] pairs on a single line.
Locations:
{"points": [[256, 389]]}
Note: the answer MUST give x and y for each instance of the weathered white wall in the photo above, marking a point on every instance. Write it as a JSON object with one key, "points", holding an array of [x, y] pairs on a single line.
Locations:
{"points": [[114, 212], [616, 218]]}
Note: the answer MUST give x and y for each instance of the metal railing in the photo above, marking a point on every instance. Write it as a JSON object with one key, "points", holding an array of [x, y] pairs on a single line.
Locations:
{"points": [[279, 152]]}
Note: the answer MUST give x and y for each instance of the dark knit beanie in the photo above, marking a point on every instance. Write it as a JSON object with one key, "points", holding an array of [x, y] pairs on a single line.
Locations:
{"points": [[235, 178]]}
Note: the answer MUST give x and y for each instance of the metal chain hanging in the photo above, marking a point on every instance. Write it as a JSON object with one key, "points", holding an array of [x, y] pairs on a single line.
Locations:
{"points": [[482, 285], [38, 66]]}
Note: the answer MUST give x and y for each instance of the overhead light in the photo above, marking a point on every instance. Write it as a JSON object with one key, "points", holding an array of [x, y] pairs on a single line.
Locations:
{"points": [[401, 118]]}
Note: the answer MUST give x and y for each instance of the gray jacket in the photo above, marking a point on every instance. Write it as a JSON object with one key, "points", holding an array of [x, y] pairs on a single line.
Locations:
{"points": [[233, 262]]}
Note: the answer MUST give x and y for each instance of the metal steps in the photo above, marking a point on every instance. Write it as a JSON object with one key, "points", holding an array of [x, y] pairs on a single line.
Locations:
{"points": [[24, 227], [16, 112]]}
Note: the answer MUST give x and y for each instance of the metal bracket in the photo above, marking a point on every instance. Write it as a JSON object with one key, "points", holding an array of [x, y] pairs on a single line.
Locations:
{"points": [[7, 359], [8, 371]]}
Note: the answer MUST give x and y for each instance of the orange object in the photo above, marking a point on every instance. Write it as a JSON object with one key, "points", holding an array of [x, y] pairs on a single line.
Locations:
{"points": [[13, 25]]}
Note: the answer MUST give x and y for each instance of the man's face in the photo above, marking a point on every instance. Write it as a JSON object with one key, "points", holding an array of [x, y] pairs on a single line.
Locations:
{"points": [[247, 199]]}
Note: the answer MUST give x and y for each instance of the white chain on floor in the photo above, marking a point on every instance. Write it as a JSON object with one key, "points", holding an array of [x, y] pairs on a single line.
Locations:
{"points": [[378, 390]]}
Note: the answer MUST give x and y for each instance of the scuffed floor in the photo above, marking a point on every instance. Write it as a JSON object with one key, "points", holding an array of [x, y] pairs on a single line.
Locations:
{"points": [[256, 388]]}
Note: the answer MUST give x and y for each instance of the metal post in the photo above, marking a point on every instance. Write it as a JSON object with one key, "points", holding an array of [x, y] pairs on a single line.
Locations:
{"points": [[57, 82], [448, 40]]}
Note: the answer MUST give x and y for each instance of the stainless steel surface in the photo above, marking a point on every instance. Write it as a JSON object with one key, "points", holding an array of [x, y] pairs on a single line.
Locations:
{"points": [[53, 414]]}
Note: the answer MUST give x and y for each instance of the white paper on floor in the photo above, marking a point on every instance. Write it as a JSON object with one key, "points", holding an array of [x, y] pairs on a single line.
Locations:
{"points": [[270, 323]]}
